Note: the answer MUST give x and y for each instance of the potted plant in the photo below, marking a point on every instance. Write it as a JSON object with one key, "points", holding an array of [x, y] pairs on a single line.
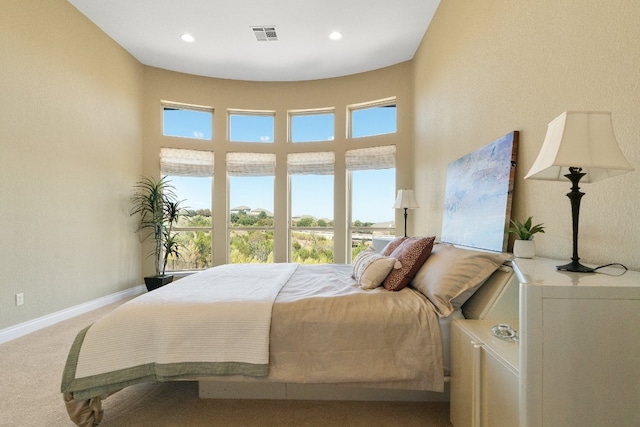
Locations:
{"points": [[524, 246], [159, 209]]}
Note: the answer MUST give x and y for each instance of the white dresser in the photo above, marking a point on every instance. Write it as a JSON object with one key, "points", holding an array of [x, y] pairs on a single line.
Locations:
{"points": [[578, 359], [579, 346]]}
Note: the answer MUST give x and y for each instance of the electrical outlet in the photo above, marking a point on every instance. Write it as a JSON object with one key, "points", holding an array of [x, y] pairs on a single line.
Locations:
{"points": [[19, 298]]}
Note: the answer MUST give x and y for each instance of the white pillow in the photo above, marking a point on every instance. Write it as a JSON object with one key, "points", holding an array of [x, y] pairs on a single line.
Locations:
{"points": [[370, 268]]}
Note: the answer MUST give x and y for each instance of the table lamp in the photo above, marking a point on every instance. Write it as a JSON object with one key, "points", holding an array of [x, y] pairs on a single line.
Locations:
{"points": [[579, 144], [406, 200]]}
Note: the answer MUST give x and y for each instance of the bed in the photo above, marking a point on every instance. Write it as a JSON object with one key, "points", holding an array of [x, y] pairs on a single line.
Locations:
{"points": [[380, 324]]}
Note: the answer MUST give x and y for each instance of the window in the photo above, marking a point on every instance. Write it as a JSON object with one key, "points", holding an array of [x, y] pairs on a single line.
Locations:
{"points": [[246, 201], [310, 126], [251, 126], [251, 198], [187, 122], [372, 181], [311, 200], [191, 173], [373, 119]]}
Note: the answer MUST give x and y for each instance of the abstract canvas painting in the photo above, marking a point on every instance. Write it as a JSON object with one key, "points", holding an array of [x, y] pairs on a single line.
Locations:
{"points": [[478, 194]]}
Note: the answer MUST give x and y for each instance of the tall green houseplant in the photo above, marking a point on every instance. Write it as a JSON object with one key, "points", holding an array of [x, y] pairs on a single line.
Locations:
{"points": [[156, 203]]}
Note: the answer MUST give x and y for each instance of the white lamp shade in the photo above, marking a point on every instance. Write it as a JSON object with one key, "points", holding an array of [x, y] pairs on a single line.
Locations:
{"points": [[405, 199], [583, 140]]}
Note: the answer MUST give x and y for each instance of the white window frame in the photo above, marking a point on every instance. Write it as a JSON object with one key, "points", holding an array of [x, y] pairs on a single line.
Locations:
{"points": [[385, 102], [309, 112], [188, 107], [184, 162], [230, 229], [291, 229], [387, 150], [257, 113]]}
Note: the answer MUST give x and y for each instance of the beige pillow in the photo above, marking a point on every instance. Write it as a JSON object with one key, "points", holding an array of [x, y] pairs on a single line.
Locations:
{"points": [[370, 268], [451, 275], [411, 253]]}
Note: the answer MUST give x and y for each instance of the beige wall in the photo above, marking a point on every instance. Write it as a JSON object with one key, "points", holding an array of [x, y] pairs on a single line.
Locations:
{"points": [[279, 97], [76, 131], [70, 149], [486, 68]]}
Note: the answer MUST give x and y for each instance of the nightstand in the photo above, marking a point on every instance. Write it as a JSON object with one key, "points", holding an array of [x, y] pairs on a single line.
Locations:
{"points": [[484, 376], [577, 362], [579, 346]]}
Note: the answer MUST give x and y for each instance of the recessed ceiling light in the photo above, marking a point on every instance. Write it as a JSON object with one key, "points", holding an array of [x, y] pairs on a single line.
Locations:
{"points": [[187, 38], [335, 35]]}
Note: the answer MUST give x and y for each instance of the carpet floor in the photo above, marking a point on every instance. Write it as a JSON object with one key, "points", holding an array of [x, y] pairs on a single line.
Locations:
{"points": [[30, 396]]}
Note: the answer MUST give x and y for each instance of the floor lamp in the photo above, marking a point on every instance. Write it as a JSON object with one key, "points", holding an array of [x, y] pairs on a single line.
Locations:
{"points": [[405, 200], [579, 145]]}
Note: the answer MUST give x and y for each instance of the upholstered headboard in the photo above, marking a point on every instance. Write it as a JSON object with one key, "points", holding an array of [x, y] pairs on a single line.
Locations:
{"points": [[497, 298]]}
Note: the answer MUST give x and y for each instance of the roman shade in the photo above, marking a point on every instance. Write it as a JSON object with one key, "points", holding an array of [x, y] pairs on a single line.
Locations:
{"points": [[383, 157], [318, 163], [251, 164], [180, 162]]}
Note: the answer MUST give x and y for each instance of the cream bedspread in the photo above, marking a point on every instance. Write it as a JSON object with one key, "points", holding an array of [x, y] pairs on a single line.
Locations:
{"points": [[220, 323], [325, 329]]}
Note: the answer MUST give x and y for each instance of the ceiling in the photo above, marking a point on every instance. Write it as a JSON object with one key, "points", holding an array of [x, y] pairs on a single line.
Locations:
{"points": [[376, 34]]}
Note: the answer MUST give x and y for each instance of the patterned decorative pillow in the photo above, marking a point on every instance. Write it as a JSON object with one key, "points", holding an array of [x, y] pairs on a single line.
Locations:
{"points": [[451, 275], [392, 245], [370, 268], [411, 253]]}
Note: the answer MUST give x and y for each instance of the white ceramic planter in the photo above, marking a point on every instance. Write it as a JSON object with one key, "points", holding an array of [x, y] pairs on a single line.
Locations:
{"points": [[524, 248]]}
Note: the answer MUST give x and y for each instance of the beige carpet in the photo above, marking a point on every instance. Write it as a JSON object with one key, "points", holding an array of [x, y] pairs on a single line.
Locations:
{"points": [[30, 396]]}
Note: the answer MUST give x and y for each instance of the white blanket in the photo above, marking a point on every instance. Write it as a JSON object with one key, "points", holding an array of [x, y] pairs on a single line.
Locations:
{"points": [[177, 323]]}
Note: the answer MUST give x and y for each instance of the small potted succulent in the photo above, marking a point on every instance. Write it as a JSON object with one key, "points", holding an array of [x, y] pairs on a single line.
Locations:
{"points": [[159, 209], [524, 246]]}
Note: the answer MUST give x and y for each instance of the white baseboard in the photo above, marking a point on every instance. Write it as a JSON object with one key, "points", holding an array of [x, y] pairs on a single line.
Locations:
{"points": [[24, 328]]}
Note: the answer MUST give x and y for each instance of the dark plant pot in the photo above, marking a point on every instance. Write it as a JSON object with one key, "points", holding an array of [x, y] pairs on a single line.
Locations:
{"points": [[156, 282]]}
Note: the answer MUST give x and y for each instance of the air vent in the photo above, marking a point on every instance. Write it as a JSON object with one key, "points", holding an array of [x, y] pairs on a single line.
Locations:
{"points": [[265, 34]]}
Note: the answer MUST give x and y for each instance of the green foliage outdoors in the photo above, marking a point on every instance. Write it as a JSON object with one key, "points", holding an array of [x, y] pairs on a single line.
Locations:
{"points": [[251, 247], [362, 246], [195, 246], [255, 246]]}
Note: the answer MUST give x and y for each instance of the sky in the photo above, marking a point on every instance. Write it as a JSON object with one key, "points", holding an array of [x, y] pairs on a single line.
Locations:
{"points": [[311, 194]]}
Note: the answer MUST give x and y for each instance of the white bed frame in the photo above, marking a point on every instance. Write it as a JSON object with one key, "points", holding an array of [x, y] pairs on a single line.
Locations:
{"points": [[497, 298]]}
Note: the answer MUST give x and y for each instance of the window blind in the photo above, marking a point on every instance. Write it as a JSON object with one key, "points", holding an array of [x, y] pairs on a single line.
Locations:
{"points": [[180, 162], [383, 157], [318, 163], [251, 164]]}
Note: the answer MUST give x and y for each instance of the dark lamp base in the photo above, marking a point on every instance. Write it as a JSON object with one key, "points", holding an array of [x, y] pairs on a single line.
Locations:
{"points": [[574, 175], [575, 266]]}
